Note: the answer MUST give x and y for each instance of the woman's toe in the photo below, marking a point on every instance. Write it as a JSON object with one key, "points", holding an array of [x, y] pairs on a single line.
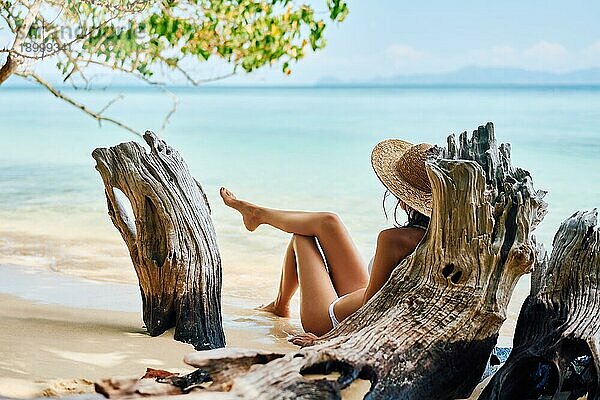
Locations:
{"points": [[226, 194]]}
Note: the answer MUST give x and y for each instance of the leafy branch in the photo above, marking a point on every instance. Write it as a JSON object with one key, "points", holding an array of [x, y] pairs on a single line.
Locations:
{"points": [[142, 38]]}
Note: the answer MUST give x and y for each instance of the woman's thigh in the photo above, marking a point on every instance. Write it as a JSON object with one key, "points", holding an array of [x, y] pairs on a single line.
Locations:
{"points": [[346, 266], [316, 289]]}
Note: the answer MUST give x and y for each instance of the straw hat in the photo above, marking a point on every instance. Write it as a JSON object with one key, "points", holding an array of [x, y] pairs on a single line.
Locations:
{"points": [[400, 166]]}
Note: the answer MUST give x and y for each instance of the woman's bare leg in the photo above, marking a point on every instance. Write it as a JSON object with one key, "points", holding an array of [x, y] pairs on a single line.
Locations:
{"points": [[288, 284], [347, 269], [316, 289]]}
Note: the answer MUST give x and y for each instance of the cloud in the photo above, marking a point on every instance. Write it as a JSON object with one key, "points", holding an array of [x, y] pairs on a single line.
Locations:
{"points": [[544, 50], [500, 55], [402, 54], [541, 55]]}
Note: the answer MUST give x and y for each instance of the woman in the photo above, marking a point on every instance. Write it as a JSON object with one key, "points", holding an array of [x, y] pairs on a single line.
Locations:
{"points": [[335, 287]]}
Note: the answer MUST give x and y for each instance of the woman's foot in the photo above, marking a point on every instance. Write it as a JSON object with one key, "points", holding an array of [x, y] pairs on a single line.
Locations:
{"points": [[250, 212], [276, 309]]}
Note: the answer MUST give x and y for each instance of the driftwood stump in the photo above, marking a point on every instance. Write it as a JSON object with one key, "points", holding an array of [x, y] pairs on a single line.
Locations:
{"points": [[170, 237], [556, 349], [429, 332]]}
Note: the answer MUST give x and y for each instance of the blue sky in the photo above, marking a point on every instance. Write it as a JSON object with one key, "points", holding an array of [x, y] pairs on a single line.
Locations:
{"points": [[383, 38]]}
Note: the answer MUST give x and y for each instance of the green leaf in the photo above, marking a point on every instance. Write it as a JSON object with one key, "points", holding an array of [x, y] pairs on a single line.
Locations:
{"points": [[338, 10], [248, 34]]}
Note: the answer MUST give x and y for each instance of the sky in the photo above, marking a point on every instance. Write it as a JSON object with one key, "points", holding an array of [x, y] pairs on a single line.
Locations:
{"points": [[384, 38]]}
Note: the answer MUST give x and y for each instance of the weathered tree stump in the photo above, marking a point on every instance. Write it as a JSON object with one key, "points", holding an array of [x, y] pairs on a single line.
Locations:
{"points": [[429, 332], [556, 348], [170, 237]]}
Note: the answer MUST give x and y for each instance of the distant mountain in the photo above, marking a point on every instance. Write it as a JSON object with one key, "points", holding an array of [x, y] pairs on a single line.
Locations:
{"points": [[484, 75]]}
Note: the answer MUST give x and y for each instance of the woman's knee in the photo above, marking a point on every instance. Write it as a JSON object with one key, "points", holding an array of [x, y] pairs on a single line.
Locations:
{"points": [[329, 220]]}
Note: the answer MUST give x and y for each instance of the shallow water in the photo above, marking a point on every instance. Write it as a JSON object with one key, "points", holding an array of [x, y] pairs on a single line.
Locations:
{"points": [[242, 325], [301, 148]]}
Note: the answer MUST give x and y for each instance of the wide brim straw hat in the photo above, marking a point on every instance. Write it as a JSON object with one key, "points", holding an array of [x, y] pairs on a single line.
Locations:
{"points": [[400, 166]]}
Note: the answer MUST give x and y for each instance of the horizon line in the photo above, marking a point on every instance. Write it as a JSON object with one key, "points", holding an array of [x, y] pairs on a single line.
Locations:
{"points": [[333, 85]]}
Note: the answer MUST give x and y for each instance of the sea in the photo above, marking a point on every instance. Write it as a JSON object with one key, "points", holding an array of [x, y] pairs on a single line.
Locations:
{"points": [[304, 148]]}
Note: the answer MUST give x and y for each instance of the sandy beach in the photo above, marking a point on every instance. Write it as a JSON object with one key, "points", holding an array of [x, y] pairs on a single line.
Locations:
{"points": [[48, 350], [64, 333], [51, 347], [61, 351]]}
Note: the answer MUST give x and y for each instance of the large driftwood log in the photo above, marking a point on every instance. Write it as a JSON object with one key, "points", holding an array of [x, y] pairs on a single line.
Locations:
{"points": [[556, 350], [170, 238], [429, 332]]}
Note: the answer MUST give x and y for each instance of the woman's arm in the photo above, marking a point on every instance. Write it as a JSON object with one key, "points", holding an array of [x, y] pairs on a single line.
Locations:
{"points": [[393, 245], [349, 303]]}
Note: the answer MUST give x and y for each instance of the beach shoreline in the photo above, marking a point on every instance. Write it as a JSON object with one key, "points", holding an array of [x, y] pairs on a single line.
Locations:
{"points": [[62, 333], [90, 345], [50, 350]]}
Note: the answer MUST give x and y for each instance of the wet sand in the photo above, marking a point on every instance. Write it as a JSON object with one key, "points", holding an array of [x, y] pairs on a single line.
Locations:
{"points": [[63, 333], [54, 350]]}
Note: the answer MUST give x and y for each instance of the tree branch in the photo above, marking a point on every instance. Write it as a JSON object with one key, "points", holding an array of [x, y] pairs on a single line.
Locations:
{"points": [[110, 103], [117, 68], [173, 108], [57, 93], [75, 65], [23, 30], [61, 49], [9, 18], [197, 82], [215, 78], [160, 85], [12, 62]]}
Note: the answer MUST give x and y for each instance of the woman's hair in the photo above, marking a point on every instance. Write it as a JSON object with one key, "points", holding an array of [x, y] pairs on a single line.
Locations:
{"points": [[414, 217]]}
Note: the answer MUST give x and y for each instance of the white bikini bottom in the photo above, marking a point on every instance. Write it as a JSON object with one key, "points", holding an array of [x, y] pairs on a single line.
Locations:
{"points": [[334, 320]]}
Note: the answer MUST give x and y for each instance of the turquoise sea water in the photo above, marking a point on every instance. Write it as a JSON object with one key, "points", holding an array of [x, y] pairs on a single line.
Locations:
{"points": [[305, 148]]}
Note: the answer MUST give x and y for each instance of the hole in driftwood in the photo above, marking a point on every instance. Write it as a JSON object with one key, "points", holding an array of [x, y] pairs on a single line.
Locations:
{"points": [[530, 379], [327, 367], [580, 378], [456, 277], [447, 270], [196, 379], [354, 381], [266, 358], [154, 240], [510, 234], [588, 237], [344, 379], [125, 209]]}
